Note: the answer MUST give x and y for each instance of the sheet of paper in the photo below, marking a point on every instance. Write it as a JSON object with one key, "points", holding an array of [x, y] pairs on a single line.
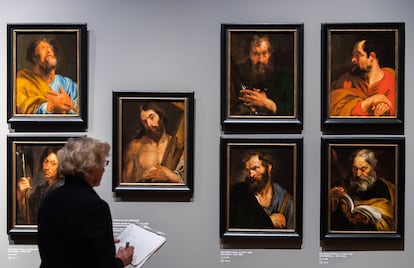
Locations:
{"points": [[145, 241]]}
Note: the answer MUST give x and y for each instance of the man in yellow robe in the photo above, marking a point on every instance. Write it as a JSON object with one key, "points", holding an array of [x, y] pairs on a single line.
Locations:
{"points": [[41, 90], [368, 90], [367, 189]]}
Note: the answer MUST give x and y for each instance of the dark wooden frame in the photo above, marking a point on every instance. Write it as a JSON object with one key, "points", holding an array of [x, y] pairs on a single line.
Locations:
{"points": [[337, 44], [288, 154], [71, 40], [125, 125], [288, 42], [336, 158], [25, 147]]}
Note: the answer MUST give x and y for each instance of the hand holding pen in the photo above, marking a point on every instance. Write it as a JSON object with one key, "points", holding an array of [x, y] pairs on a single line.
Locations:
{"points": [[125, 253]]}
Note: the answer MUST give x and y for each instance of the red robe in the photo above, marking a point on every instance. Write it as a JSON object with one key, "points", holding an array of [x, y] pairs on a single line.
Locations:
{"points": [[346, 99]]}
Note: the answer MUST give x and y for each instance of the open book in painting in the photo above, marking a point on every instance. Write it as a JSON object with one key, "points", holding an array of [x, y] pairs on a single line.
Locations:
{"points": [[373, 214]]}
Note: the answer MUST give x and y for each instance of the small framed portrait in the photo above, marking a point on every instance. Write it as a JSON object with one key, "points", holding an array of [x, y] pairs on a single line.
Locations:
{"points": [[32, 173], [153, 141], [261, 189], [362, 194], [47, 77], [363, 78], [261, 78]]}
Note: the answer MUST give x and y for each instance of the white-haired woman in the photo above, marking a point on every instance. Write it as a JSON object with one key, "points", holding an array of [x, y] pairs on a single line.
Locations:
{"points": [[74, 223]]}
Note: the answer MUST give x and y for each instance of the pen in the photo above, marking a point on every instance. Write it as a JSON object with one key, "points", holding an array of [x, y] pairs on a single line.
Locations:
{"points": [[127, 245]]}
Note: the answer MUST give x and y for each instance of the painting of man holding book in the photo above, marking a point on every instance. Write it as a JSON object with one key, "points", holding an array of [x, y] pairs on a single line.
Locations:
{"points": [[363, 201]]}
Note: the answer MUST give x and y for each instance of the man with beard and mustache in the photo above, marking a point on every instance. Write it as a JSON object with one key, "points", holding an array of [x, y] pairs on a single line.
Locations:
{"points": [[41, 90], [368, 89], [256, 88], [154, 155], [365, 188], [258, 202]]}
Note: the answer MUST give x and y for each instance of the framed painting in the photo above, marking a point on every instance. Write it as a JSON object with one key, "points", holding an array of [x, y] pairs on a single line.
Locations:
{"points": [[261, 78], [31, 173], [47, 77], [261, 189], [363, 78], [153, 141], [362, 189]]}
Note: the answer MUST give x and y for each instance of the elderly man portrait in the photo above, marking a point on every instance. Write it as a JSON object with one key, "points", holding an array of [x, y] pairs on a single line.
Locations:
{"points": [[366, 187], [40, 89]]}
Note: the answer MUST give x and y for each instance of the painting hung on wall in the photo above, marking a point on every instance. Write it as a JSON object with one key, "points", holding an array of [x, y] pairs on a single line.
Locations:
{"points": [[261, 77], [32, 173], [47, 83], [153, 141], [362, 195], [363, 77], [261, 188]]}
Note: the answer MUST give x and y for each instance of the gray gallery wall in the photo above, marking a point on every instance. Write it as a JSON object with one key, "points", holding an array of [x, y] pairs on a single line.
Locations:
{"points": [[174, 45]]}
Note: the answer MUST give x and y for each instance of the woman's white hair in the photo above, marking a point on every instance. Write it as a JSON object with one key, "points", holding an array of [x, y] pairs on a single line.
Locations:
{"points": [[81, 155]]}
